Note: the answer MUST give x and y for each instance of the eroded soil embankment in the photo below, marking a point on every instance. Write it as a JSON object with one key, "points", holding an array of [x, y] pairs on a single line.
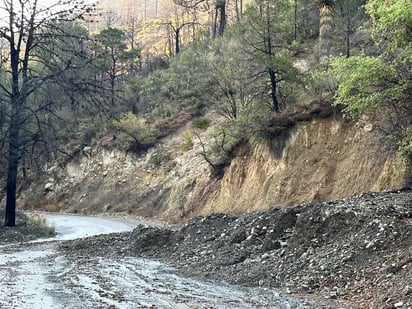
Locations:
{"points": [[357, 251], [316, 160]]}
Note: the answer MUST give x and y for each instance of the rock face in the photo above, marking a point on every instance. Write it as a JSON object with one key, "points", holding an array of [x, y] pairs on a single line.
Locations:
{"points": [[355, 251]]}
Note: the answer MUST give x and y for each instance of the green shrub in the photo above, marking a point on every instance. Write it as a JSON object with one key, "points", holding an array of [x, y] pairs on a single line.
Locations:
{"points": [[187, 141], [87, 131], [201, 123], [156, 159], [134, 130]]}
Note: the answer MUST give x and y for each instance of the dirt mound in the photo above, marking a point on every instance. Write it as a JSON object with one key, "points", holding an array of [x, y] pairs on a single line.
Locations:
{"points": [[356, 250]]}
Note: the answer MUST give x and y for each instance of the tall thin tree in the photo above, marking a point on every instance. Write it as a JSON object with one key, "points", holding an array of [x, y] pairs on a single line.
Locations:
{"points": [[24, 33]]}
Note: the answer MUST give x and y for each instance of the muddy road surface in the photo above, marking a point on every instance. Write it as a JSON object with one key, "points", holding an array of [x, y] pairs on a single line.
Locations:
{"points": [[40, 275]]}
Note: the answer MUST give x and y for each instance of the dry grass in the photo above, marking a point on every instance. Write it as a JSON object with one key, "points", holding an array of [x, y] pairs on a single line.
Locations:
{"points": [[43, 228]]}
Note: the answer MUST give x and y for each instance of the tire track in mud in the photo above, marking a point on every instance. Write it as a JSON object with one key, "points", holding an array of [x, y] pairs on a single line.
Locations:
{"points": [[40, 275], [139, 283], [42, 278], [23, 282]]}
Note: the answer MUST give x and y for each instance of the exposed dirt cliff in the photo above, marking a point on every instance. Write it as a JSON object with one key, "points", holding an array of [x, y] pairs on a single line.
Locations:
{"points": [[322, 160], [317, 160]]}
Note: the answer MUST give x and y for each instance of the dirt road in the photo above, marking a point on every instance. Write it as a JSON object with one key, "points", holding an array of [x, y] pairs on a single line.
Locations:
{"points": [[39, 275]]}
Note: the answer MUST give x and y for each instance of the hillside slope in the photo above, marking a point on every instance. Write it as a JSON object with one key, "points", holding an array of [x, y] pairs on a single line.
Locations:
{"points": [[320, 160]]}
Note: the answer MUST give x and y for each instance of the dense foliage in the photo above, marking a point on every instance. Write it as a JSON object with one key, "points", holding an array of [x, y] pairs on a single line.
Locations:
{"points": [[379, 80]]}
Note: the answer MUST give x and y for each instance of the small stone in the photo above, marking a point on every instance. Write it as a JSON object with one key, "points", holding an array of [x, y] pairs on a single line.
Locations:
{"points": [[368, 127], [49, 187], [265, 256]]}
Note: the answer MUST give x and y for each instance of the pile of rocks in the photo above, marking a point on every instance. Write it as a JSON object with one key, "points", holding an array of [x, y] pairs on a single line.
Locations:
{"points": [[356, 252]]}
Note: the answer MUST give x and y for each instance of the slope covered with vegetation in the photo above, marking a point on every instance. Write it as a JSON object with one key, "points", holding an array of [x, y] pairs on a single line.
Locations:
{"points": [[246, 75]]}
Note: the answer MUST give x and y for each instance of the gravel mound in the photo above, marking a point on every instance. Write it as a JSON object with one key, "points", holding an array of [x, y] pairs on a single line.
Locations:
{"points": [[355, 252]]}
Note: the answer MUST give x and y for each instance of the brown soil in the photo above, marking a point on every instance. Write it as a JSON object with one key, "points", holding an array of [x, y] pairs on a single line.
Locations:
{"points": [[320, 160]]}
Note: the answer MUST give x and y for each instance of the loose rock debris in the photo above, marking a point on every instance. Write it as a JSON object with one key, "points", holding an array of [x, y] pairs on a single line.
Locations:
{"points": [[355, 252]]}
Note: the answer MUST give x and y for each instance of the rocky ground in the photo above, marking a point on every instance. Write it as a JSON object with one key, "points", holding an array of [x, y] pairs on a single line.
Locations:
{"points": [[355, 252]]}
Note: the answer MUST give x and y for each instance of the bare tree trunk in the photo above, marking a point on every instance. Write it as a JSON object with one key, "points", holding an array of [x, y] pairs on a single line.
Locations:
{"points": [[295, 22], [113, 77], [177, 40], [348, 31], [269, 50], [215, 24], [14, 130], [239, 10], [273, 89], [13, 160], [13, 154], [219, 23], [222, 18]]}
